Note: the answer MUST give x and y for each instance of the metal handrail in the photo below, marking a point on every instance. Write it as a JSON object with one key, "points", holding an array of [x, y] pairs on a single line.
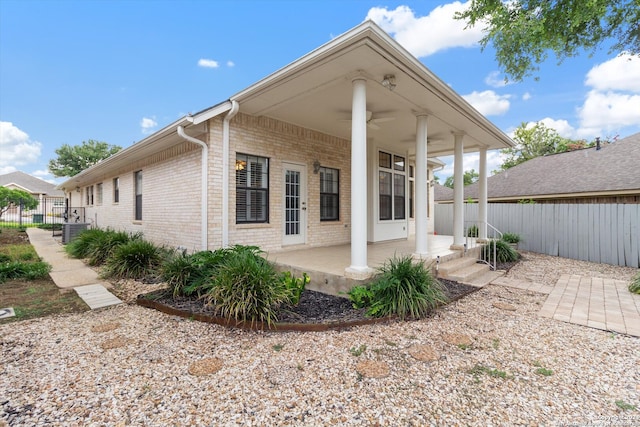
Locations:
{"points": [[471, 232]]}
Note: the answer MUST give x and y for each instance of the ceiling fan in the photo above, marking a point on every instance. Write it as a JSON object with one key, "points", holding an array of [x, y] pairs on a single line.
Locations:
{"points": [[372, 121]]}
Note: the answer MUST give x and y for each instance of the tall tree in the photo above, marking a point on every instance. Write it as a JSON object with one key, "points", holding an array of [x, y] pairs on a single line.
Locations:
{"points": [[469, 177], [74, 159], [523, 32], [534, 141], [10, 198]]}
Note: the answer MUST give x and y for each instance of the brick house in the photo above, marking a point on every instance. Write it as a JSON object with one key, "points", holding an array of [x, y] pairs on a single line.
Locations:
{"points": [[337, 147]]}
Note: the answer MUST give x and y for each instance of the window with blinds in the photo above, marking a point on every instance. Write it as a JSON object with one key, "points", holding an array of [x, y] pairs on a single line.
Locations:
{"points": [[252, 189], [329, 194]]}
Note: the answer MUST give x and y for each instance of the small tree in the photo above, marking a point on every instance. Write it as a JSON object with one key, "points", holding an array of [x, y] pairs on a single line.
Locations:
{"points": [[469, 177], [533, 141], [74, 159], [10, 198]]}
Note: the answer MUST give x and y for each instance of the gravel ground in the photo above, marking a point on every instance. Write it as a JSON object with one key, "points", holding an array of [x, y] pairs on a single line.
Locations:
{"points": [[473, 363]]}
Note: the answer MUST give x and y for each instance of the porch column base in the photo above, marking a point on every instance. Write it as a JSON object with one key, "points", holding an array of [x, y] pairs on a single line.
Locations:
{"points": [[455, 247], [359, 273]]}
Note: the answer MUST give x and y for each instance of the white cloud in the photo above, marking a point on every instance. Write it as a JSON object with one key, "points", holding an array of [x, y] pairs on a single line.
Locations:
{"points": [[471, 161], [610, 110], [561, 126], [16, 147], [621, 73], [494, 79], [231, 64], [208, 63], [526, 96], [147, 124], [488, 102], [426, 35]]}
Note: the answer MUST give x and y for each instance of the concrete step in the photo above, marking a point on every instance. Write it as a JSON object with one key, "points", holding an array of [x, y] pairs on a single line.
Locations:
{"points": [[445, 270], [484, 279], [468, 273], [97, 296]]}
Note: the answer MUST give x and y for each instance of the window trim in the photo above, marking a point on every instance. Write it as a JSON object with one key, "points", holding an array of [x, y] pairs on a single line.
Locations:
{"points": [[263, 190], [336, 194], [397, 166], [137, 198], [116, 190]]}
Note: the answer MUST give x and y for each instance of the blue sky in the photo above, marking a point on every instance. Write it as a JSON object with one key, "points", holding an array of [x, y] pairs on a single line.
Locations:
{"points": [[117, 70]]}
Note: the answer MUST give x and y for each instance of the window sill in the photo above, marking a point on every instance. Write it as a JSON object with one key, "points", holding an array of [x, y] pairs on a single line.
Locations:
{"points": [[253, 225]]}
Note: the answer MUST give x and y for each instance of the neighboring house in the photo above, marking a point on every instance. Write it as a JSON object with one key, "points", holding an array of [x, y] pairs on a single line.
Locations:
{"points": [[48, 195], [331, 149], [610, 174]]}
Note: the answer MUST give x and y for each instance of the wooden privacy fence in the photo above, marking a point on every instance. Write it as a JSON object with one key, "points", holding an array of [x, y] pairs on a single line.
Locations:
{"points": [[605, 233]]}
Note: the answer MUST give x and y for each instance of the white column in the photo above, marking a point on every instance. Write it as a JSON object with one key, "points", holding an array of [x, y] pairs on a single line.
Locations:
{"points": [[482, 196], [421, 187], [458, 193], [358, 268]]}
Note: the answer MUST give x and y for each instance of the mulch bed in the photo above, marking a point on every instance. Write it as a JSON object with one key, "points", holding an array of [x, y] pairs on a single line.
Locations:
{"points": [[316, 311]]}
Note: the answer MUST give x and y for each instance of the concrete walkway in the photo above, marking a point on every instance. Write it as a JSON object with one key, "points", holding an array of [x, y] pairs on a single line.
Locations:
{"points": [[69, 273], [594, 302]]}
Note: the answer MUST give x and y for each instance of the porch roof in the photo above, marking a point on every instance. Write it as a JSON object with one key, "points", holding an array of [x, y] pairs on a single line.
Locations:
{"points": [[315, 92]]}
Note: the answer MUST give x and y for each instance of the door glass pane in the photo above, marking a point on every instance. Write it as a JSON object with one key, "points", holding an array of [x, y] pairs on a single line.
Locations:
{"points": [[292, 203]]}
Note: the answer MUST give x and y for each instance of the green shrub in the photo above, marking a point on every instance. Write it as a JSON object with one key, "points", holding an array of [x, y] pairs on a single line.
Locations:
{"points": [[23, 270], [102, 246], [404, 288], [247, 287], [50, 227], [634, 286], [191, 274], [82, 244], [361, 296], [472, 231], [294, 285], [511, 237], [504, 252], [4, 258], [135, 259]]}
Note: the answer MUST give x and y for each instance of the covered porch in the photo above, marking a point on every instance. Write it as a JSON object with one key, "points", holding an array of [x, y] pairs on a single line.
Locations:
{"points": [[326, 265]]}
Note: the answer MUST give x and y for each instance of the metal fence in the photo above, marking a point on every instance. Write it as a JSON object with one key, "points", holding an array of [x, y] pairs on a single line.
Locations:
{"points": [[604, 233]]}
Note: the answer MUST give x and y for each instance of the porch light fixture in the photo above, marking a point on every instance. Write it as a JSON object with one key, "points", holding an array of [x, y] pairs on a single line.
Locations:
{"points": [[77, 189], [389, 81], [316, 166]]}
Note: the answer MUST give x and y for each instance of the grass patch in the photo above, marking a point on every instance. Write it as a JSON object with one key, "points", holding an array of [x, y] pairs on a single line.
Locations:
{"points": [[625, 406], [479, 370], [277, 347], [544, 372], [37, 297], [357, 351]]}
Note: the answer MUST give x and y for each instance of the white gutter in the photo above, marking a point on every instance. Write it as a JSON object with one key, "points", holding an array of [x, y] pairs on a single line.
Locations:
{"points": [[204, 189], [225, 172]]}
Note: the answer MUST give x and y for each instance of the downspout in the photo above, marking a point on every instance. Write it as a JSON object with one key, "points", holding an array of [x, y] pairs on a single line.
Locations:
{"points": [[204, 190], [225, 172]]}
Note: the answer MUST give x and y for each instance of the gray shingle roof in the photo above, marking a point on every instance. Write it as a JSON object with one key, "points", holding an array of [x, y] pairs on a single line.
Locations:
{"points": [[30, 183], [613, 168]]}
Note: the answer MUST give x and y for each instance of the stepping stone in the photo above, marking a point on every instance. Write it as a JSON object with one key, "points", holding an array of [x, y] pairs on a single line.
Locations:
{"points": [[7, 312], [105, 327], [423, 353], [205, 366], [116, 342], [373, 369], [97, 296], [457, 339], [504, 306]]}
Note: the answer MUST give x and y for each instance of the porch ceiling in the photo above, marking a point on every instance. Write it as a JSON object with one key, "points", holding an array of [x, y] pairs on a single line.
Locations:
{"points": [[316, 92]]}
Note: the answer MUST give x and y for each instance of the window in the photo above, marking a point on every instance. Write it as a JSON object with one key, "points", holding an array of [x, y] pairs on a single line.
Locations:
{"points": [[411, 191], [252, 189], [138, 201], [89, 195], [391, 186], [99, 194], [329, 194], [116, 190]]}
